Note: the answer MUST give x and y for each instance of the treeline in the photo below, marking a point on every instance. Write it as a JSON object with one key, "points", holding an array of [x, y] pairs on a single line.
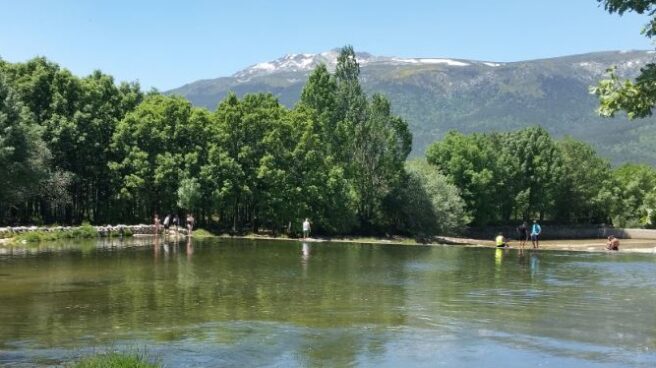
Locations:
{"points": [[86, 149], [526, 174]]}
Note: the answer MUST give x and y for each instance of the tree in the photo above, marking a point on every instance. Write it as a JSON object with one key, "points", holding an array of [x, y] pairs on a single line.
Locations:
{"points": [[502, 175], [470, 164], [156, 146], [637, 98], [189, 194], [317, 182], [533, 157], [23, 156], [248, 132], [430, 205], [78, 117], [632, 188], [320, 94], [583, 193]]}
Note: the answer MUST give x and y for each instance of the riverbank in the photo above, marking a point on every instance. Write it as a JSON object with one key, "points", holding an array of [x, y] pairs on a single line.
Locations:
{"points": [[26, 235], [578, 245]]}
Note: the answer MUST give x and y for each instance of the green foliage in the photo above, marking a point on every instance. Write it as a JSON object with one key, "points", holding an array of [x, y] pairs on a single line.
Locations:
{"points": [[632, 191], [115, 360], [202, 233], [434, 98], [82, 232], [338, 158], [158, 144], [584, 189], [430, 204], [189, 194], [35, 236], [76, 118], [525, 174], [637, 98], [127, 232], [85, 231], [469, 161], [23, 155], [369, 141]]}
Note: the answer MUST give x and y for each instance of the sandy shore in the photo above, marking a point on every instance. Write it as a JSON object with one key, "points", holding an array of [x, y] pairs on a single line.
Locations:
{"points": [[579, 245]]}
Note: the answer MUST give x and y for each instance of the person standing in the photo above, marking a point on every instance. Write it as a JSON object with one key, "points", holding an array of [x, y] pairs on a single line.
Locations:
{"points": [[190, 223], [536, 230], [306, 228], [522, 230], [156, 223], [176, 222]]}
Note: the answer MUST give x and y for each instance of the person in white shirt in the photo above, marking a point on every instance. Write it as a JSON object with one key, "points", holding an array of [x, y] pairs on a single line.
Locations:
{"points": [[306, 228]]}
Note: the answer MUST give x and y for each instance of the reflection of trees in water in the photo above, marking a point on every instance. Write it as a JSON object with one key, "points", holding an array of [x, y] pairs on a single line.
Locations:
{"points": [[139, 293], [345, 295]]}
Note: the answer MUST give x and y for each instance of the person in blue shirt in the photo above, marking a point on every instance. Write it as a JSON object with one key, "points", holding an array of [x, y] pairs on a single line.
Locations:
{"points": [[536, 230]]}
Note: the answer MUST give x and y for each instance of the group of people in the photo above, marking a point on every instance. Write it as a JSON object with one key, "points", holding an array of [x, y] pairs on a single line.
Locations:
{"points": [[523, 236], [536, 230], [174, 221]]}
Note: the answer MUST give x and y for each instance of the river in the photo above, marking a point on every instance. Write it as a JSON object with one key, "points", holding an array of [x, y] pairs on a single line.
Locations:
{"points": [[236, 303]]}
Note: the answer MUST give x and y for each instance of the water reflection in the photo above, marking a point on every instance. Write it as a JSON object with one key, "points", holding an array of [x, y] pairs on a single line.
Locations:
{"points": [[305, 257], [190, 248], [535, 263], [355, 304]]}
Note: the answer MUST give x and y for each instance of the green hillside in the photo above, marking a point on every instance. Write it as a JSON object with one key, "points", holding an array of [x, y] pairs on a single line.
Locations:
{"points": [[438, 95]]}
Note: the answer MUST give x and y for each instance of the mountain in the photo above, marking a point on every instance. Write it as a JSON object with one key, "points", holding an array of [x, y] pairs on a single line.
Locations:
{"points": [[436, 95]]}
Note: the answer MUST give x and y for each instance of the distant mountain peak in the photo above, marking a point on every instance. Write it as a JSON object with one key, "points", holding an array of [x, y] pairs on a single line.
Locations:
{"points": [[293, 63], [306, 62], [439, 94]]}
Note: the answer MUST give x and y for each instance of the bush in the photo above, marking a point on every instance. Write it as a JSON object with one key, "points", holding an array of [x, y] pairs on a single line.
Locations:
{"points": [[115, 360], [83, 232], [30, 237], [202, 233]]}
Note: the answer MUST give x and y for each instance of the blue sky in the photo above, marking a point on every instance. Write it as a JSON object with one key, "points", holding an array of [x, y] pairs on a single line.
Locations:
{"points": [[165, 44]]}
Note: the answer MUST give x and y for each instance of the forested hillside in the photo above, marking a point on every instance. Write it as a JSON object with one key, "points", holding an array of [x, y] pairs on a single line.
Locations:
{"points": [[438, 95]]}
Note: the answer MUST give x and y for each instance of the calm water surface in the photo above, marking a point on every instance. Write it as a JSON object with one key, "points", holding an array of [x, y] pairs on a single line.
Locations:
{"points": [[286, 304]]}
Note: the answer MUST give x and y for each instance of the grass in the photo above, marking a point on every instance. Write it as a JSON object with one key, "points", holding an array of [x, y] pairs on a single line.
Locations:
{"points": [[115, 360], [202, 233], [85, 231]]}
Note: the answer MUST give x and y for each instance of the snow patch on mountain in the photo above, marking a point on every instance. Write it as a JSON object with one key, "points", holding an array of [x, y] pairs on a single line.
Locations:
{"points": [[298, 63], [307, 62], [450, 62]]}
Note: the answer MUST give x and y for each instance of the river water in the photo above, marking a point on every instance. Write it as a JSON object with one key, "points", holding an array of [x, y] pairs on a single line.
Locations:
{"points": [[242, 303]]}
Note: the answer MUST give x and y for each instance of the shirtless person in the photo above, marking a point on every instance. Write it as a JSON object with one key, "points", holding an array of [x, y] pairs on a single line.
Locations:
{"points": [[156, 223], [190, 223], [613, 243]]}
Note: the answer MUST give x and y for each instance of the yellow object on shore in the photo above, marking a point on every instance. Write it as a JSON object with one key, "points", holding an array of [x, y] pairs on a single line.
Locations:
{"points": [[500, 240]]}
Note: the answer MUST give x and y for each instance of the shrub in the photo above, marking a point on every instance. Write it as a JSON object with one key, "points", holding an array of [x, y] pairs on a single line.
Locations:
{"points": [[202, 233], [84, 231], [115, 360], [30, 237]]}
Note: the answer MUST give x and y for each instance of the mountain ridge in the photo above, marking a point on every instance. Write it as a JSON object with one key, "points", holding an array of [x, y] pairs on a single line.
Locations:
{"points": [[436, 95]]}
